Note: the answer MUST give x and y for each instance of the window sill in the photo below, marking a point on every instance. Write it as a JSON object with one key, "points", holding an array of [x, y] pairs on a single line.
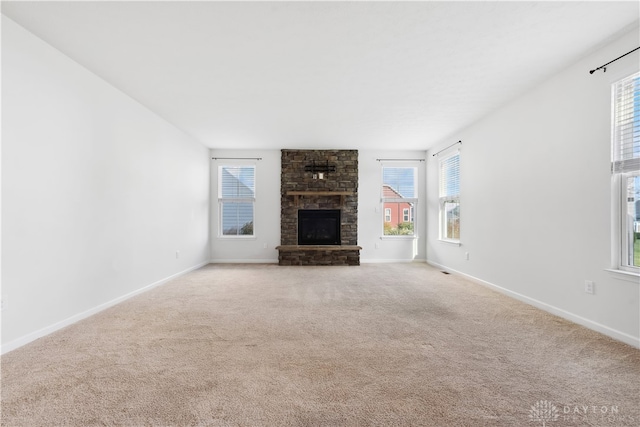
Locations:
{"points": [[451, 242], [238, 237], [398, 237], [624, 275]]}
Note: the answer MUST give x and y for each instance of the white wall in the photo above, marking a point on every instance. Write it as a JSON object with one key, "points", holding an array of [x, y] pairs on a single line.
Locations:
{"points": [[267, 222], [98, 193], [536, 198]]}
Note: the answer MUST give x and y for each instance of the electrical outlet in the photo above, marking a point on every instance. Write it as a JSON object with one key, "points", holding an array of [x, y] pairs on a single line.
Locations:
{"points": [[177, 254], [264, 246], [3, 303], [589, 287], [466, 255]]}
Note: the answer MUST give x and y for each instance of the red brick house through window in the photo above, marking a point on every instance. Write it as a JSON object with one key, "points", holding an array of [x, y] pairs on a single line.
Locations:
{"points": [[395, 213]]}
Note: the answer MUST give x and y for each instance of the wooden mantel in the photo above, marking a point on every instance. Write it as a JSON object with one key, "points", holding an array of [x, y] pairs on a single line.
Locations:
{"points": [[297, 194]]}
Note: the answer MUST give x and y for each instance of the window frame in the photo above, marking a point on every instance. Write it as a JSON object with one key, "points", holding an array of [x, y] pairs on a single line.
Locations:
{"points": [[443, 200], [622, 168], [625, 227], [412, 201], [223, 200]]}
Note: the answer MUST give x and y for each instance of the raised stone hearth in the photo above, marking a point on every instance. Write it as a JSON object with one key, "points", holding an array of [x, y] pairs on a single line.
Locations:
{"points": [[319, 255], [303, 188]]}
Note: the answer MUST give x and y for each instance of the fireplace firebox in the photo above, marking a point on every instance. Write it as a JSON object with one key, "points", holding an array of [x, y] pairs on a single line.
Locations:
{"points": [[319, 227]]}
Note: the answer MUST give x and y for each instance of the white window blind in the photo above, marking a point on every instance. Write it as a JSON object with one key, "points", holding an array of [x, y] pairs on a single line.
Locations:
{"points": [[236, 196], [626, 125], [400, 180], [237, 182], [450, 176], [450, 198]]}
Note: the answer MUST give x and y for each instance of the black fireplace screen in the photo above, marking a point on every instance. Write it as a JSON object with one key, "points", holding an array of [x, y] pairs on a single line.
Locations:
{"points": [[319, 227]]}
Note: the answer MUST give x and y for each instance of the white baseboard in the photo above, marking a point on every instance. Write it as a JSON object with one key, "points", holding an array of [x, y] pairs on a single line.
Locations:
{"points": [[19, 342], [388, 261], [244, 261], [605, 330], [275, 261]]}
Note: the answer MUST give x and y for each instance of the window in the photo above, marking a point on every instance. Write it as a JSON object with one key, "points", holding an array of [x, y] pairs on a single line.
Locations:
{"points": [[450, 198], [399, 196], [626, 168], [236, 198], [387, 215]]}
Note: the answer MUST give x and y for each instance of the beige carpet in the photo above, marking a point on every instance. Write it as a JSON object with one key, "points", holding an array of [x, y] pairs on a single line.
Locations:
{"points": [[375, 345]]}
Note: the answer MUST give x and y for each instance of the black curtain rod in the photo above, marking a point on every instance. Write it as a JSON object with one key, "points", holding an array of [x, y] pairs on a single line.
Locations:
{"points": [[236, 158], [400, 160], [622, 56], [445, 148]]}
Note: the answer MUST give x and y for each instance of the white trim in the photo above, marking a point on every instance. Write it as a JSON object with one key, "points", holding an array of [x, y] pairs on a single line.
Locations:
{"points": [[244, 261], [26, 339], [625, 246], [616, 207], [389, 261], [399, 236], [624, 275], [451, 242], [622, 168], [605, 330]]}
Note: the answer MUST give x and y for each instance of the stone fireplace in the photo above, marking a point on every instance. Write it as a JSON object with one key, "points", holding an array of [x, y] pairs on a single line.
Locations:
{"points": [[319, 208]]}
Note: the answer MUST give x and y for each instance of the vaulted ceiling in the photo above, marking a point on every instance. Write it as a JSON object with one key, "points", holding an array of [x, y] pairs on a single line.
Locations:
{"points": [[357, 75]]}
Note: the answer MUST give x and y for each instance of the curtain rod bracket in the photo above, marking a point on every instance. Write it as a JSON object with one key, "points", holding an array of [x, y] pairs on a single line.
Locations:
{"points": [[604, 67]]}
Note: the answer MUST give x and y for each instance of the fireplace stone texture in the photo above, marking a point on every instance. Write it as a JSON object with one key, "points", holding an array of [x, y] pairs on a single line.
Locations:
{"points": [[295, 178]]}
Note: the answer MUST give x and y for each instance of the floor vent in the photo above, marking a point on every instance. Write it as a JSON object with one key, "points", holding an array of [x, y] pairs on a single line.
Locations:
{"points": [[445, 272]]}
